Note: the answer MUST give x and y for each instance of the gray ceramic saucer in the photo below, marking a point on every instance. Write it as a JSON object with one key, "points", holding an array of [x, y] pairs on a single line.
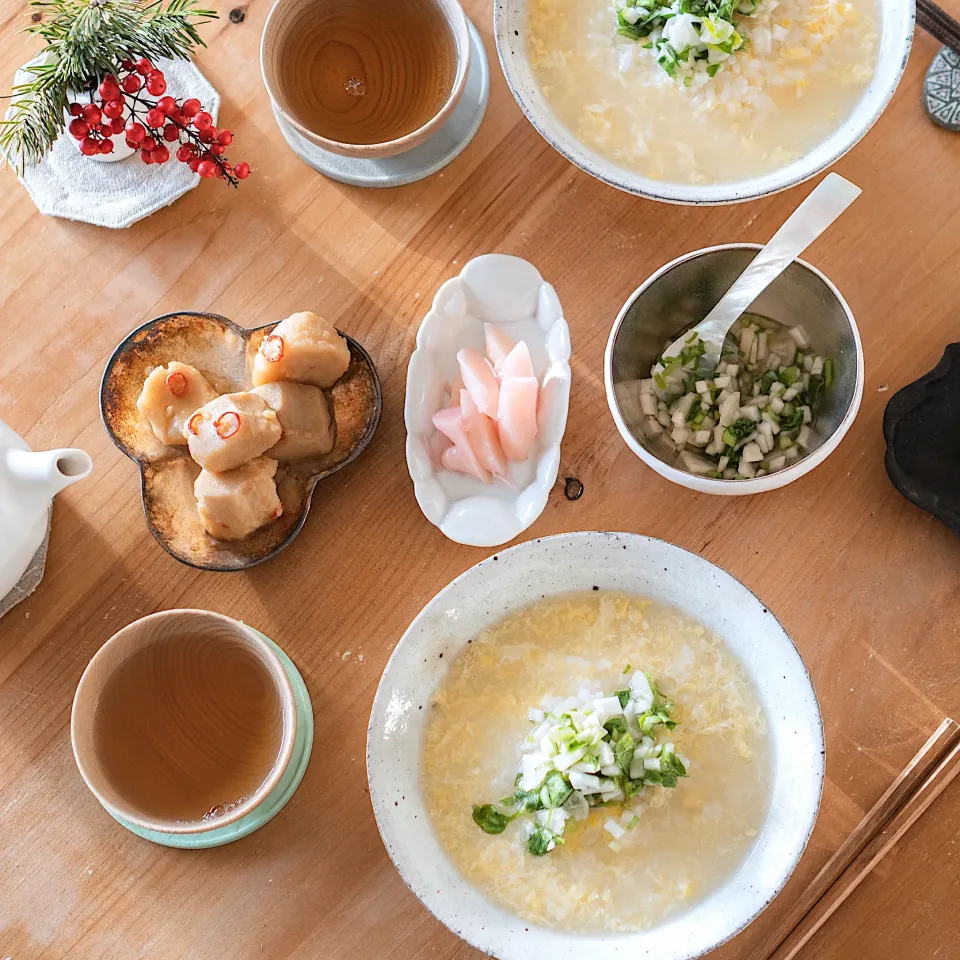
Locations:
{"points": [[415, 164]]}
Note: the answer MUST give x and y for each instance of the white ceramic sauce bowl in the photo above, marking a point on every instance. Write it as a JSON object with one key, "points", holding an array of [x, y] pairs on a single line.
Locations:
{"points": [[561, 564], [682, 293], [510, 293], [897, 24]]}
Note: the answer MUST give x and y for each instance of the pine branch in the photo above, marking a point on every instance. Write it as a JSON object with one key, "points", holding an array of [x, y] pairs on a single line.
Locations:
{"points": [[86, 39]]}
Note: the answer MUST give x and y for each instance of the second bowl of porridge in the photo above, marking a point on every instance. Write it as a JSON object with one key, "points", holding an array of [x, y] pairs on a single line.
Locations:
{"points": [[703, 101], [595, 745]]}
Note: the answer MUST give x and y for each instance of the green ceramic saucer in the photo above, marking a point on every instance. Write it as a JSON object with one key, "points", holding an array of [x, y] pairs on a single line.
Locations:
{"points": [[275, 801]]}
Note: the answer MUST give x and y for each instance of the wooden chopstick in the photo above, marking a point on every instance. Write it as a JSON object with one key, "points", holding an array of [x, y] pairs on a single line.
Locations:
{"points": [[937, 22], [872, 854], [939, 744]]}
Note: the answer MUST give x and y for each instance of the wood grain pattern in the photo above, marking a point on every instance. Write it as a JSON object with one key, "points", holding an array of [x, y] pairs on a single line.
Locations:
{"points": [[874, 607], [924, 763], [866, 861]]}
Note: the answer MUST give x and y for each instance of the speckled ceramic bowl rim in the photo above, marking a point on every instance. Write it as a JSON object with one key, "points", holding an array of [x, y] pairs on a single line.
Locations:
{"points": [[282, 683], [736, 192], [382, 808], [733, 488], [244, 333]]}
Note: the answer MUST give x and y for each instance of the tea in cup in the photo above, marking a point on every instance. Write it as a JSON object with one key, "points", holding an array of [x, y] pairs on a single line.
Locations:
{"points": [[365, 82], [183, 722]]}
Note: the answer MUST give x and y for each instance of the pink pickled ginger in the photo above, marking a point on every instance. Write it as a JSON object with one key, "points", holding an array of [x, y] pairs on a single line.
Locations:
{"points": [[518, 362], [498, 345], [517, 416], [483, 436], [480, 380], [459, 459]]}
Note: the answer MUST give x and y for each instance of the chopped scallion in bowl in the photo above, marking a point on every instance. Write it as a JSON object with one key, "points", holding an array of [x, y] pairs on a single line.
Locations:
{"points": [[755, 416], [676, 298]]}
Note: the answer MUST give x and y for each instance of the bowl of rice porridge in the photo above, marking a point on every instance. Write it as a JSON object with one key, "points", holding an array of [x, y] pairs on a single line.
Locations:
{"points": [[703, 101], [595, 745]]}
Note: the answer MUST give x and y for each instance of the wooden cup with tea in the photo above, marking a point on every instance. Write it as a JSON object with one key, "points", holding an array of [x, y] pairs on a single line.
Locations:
{"points": [[183, 722], [364, 82]]}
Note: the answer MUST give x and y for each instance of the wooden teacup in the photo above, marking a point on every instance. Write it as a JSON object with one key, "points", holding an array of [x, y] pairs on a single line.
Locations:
{"points": [[339, 78], [173, 712]]}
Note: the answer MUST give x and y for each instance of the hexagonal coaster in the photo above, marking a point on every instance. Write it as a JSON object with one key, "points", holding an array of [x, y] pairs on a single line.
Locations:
{"points": [[941, 89], [67, 184]]}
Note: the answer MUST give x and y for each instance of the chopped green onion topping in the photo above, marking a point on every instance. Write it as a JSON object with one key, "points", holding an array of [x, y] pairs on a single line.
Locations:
{"points": [[587, 752], [789, 375], [489, 819], [685, 36]]}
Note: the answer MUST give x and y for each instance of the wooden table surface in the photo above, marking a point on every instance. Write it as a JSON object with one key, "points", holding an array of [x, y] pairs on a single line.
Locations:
{"points": [[872, 602]]}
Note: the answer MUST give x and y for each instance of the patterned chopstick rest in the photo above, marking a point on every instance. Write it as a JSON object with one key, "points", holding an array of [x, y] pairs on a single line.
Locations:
{"points": [[941, 89]]}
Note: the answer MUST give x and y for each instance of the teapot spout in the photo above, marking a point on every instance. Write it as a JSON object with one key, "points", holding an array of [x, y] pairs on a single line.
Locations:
{"points": [[49, 471]]}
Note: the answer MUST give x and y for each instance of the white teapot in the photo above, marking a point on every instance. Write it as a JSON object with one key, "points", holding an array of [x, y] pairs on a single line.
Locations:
{"points": [[28, 482]]}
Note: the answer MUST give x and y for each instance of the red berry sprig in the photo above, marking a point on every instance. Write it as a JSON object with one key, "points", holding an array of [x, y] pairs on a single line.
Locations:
{"points": [[153, 124]]}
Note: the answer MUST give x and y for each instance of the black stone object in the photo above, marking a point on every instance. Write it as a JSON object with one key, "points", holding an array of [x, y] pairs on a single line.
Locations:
{"points": [[921, 426]]}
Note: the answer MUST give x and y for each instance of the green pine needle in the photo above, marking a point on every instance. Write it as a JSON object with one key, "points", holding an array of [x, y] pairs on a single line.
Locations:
{"points": [[86, 39]]}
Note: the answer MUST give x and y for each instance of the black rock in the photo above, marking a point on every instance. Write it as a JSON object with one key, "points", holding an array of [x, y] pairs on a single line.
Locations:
{"points": [[921, 426]]}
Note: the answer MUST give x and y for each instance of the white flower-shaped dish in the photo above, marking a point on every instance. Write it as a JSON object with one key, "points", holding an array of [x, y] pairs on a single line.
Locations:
{"points": [[510, 293]]}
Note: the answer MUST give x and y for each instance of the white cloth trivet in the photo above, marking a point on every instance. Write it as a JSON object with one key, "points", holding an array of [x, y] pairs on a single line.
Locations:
{"points": [[68, 184], [31, 579]]}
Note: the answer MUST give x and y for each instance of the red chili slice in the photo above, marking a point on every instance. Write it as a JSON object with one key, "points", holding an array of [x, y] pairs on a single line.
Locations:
{"points": [[272, 348], [227, 424], [177, 384], [278, 512], [193, 424]]}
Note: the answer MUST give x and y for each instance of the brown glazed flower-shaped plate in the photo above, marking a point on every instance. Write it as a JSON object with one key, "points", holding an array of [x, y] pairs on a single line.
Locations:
{"points": [[223, 353]]}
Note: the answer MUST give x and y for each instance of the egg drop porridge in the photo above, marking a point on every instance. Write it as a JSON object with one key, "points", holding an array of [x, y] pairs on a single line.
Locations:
{"points": [[702, 91], [596, 762]]}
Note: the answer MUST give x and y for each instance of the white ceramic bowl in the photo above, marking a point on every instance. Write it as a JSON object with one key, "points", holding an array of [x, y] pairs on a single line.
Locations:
{"points": [[556, 565], [683, 292], [510, 25], [509, 292]]}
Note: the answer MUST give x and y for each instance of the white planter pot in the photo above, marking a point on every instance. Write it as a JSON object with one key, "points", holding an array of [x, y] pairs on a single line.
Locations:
{"points": [[120, 149]]}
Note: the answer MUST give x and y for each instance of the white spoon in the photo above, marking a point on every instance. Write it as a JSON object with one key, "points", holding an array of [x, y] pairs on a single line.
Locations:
{"points": [[824, 204]]}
